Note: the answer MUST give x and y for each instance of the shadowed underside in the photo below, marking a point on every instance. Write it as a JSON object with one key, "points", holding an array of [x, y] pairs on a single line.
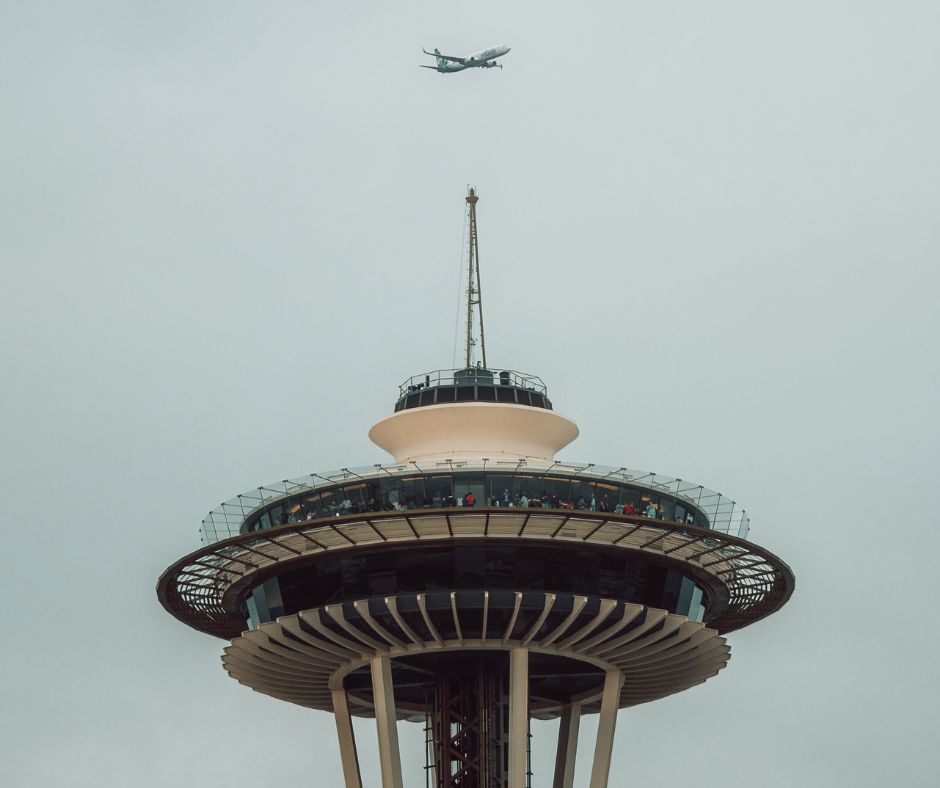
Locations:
{"points": [[302, 658], [207, 589]]}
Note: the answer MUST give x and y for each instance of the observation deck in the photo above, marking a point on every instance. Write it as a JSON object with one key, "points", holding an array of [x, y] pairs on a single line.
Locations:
{"points": [[473, 384], [556, 508], [520, 483]]}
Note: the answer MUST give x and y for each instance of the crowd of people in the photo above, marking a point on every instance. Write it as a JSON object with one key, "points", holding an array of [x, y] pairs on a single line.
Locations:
{"points": [[648, 508], [645, 506]]}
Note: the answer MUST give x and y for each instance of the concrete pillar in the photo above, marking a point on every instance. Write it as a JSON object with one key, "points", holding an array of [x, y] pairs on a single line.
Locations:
{"points": [[389, 756], [518, 715], [604, 747], [567, 746], [347, 739]]}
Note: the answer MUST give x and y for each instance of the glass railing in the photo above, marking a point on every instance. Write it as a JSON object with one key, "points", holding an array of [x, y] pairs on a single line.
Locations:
{"points": [[408, 486]]}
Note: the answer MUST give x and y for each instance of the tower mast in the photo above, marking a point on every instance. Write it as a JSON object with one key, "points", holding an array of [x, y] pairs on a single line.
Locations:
{"points": [[474, 293]]}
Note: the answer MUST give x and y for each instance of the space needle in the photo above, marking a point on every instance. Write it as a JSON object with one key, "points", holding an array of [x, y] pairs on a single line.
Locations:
{"points": [[475, 581]]}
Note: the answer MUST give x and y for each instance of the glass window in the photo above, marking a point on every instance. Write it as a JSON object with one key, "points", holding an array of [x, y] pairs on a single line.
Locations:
{"points": [[441, 490], [446, 394], [501, 487]]}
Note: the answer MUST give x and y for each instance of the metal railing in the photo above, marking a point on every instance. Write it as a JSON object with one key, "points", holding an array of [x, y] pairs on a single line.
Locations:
{"points": [[723, 514], [473, 376]]}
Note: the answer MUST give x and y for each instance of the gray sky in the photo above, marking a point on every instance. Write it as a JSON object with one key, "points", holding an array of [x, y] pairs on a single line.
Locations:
{"points": [[229, 230]]}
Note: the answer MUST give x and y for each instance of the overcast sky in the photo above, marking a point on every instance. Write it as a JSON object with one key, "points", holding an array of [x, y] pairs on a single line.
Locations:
{"points": [[228, 230]]}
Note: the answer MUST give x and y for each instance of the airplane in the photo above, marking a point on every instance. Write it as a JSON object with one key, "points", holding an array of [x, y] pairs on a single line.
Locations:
{"points": [[447, 64]]}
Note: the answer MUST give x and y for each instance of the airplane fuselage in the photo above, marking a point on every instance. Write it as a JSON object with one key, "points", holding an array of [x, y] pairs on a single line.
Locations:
{"points": [[485, 58], [478, 58]]}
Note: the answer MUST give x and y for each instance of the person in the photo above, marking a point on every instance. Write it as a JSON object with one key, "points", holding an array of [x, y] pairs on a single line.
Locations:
{"points": [[650, 510], [523, 501], [469, 499], [593, 504], [506, 501], [629, 508], [618, 509]]}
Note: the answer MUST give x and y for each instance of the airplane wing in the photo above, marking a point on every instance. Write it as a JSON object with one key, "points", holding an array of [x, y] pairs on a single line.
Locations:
{"points": [[446, 57]]}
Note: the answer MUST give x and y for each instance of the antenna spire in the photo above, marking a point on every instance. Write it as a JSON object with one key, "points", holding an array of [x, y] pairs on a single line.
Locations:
{"points": [[474, 293]]}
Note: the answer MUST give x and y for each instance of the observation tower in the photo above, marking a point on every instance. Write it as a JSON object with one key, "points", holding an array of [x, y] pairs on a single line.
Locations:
{"points": [[474, 581]]}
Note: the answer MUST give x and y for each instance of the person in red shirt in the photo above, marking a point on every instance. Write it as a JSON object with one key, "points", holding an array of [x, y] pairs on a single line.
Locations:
{"points": [[469, 499]]}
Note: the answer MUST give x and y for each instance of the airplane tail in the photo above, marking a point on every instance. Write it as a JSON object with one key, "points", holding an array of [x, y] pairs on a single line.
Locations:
{"points": [[441, 62]]}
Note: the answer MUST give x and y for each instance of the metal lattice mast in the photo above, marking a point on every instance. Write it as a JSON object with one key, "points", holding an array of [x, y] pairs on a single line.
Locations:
{"points": [[474, 292]]}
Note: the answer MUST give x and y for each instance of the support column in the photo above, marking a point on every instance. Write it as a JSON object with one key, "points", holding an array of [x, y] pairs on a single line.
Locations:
{"points": [[347, 739], [604, 747], [567, 745], [518, 715], [433, 722], [389, 756]]}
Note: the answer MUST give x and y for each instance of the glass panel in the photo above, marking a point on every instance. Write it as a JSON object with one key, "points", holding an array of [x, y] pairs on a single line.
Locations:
{"points": [[446, 394], [486, 394], [499, 484]]}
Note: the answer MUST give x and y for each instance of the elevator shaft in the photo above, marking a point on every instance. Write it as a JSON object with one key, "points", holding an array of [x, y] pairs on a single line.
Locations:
{"points": [[469, 722]]}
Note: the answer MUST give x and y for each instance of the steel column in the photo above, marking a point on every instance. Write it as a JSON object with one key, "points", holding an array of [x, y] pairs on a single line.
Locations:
{"points": [[567, 745], [518, 715], [607, 722], [347, 739], [432, 725], [389, 756]]}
